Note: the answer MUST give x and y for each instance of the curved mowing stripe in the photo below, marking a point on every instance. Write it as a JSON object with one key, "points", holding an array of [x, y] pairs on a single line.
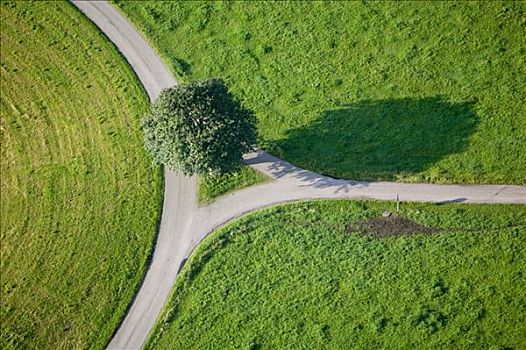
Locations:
{"points": [[79, 197]]}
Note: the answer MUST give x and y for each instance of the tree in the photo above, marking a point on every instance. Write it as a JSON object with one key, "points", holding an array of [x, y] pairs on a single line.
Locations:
{"points": [[199, 128]]}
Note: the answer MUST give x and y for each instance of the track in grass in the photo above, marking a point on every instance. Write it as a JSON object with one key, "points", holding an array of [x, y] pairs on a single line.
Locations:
{"points": [[293, 277], [419, 92], [80, 199]]}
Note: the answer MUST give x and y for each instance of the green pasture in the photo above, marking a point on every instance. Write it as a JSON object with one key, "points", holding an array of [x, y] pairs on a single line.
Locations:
{"points": [[80, 199], [414, 91], [292, 277]]}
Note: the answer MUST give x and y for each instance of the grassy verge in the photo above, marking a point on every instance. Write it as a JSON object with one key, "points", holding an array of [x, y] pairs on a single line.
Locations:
{"points": [[427, 92], [293, 277], [80, 200], [211, 187]]}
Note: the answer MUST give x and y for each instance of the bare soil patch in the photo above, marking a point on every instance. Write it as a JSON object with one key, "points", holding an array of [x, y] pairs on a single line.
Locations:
{"points": [[392, 225]]}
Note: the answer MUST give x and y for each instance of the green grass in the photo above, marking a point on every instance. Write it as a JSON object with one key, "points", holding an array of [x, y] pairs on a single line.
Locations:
{"points": [[289, 277], [211, 187], [416, 91], [80, 199]]}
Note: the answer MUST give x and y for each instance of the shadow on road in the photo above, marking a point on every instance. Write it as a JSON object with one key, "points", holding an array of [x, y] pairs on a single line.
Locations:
{"points": [[378, 140], [280, 169]]}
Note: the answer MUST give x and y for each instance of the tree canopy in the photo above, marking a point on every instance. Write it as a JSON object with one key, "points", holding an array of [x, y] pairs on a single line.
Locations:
{"points": [[199, 128]]}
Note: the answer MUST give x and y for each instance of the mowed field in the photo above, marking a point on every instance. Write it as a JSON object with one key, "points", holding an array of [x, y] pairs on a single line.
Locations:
{"points": [[416, 91], [304, 276], [80, 200]]}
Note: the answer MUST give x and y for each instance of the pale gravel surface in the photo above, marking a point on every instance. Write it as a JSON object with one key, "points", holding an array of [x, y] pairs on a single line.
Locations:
{"points": [[184, 224]]}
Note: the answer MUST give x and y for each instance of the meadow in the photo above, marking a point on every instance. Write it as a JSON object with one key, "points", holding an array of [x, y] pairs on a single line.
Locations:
{"points": [[417, 92], [80, 199], [297, 277]]}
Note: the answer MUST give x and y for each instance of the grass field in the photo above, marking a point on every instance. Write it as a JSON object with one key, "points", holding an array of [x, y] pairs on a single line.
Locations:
{"points": [[427, 91], [211, 187], [291, 277], [80, 200]]}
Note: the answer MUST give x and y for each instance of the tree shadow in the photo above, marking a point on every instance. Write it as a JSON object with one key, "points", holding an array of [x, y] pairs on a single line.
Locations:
{"points": [[279, 169], [380, 140]]}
